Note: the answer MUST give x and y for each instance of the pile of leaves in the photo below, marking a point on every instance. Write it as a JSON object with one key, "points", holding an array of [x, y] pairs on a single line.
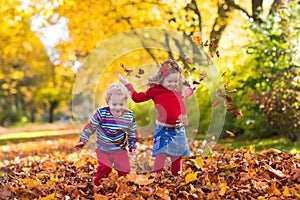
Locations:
{"points": [[52, 170]]}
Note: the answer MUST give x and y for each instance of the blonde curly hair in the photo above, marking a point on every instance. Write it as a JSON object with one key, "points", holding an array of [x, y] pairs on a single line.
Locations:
{"points": [[116, 88]]}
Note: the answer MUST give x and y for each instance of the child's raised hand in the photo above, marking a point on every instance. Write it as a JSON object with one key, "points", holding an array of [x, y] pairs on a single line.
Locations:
{"points": [[122, 79], [78, 146]]}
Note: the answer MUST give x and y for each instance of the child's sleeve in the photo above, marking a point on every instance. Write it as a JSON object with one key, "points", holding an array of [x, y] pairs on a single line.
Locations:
{"points": [[139, 96], [132, 135], [90, 128]]}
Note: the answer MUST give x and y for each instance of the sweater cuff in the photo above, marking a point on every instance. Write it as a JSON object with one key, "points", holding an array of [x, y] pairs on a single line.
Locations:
{"points": [[130, 87], [131, 146]]}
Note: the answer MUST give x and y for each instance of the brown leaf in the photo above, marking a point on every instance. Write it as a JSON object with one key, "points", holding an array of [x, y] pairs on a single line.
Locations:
{"points": [[139, 179], [206, 43], [239, 114], [297, 174], [141, 71], [188, 60], [217, 102], [274, 171], [162, 193], [100, 197]]}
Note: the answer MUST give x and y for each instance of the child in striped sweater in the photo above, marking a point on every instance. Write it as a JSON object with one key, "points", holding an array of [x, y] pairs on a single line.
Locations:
{"points": [[116, 129]]}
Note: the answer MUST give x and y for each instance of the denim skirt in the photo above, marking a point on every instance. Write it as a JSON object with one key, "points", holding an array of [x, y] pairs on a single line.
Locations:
{"points": [[171, 141]]}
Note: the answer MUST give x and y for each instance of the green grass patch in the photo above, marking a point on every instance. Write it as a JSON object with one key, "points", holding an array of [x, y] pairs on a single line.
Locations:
{"points": [[30, 135], [260, 144]]}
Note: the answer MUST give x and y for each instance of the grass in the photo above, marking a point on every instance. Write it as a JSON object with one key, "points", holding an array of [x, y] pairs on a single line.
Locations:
{"points": [[31, 135], [259, 144]]}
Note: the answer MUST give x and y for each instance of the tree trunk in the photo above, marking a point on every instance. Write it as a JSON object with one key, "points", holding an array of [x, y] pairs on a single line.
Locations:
{"points": [[256, 6], [53, 105]]}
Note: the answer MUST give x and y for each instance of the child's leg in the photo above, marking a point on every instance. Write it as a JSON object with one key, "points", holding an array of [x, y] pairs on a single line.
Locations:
{"points": [[121, 162], [176, 165], [159, 162], [104, 166]]}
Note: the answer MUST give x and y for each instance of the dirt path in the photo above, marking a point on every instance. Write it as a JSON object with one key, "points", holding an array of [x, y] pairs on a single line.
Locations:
{"points": [[42, 127]]}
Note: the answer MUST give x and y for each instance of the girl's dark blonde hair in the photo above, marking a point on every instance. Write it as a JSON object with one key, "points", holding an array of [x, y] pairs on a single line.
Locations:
{"points": [[167, 67]]}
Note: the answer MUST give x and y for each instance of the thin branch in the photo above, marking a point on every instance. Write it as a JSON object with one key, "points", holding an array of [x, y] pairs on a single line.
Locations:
{"points": [[234, 5]]}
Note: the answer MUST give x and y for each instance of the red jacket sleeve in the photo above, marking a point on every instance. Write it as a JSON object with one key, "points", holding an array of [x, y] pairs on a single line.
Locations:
{"points": [[139, 96]]}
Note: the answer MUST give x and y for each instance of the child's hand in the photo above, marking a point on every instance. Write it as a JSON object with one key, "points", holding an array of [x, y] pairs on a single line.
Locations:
{"points": [[133, 151], [122, 79], [184, 120], [78, 146]]}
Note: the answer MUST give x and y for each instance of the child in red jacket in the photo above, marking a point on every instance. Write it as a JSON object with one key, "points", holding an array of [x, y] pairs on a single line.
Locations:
{"points": [[167, 92]]}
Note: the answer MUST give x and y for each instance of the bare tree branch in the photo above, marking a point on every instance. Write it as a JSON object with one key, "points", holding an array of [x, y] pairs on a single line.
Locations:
{"points": [[232, 4]]}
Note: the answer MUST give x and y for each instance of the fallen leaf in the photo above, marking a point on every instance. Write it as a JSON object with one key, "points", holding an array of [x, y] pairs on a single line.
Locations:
{"points": [[190, 177], [274, 171], [139, 179]]}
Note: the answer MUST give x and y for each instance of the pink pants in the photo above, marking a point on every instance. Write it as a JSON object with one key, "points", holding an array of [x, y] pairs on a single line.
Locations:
{"points": [[118, 159], [159, 162]]}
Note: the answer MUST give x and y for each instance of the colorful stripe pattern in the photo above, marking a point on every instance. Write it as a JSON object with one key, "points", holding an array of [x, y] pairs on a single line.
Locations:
{"points": [[113, 133]]}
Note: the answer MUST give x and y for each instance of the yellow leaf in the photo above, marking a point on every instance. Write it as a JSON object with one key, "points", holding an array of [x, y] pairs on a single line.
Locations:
{"points": [[273, 189], [222, 187], [48, 197], [163, 193], [199, 162], [114, 171], [191, 177], [286, 191], [261, 197], [209, 185]]}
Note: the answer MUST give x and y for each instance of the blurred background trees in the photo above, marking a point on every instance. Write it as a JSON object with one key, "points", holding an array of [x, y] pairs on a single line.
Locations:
{"points": [[258, 41]]}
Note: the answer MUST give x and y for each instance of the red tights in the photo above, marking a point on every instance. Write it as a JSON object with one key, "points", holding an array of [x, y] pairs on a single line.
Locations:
{"points": [[159, 162], [119, 159]]}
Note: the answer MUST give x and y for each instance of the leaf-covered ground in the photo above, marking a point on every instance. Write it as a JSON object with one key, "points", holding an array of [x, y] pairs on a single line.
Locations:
{"points": [[49, 169]]}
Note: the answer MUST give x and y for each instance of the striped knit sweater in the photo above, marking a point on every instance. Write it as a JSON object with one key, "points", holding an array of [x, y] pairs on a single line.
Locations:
{"points": [[113, 133]]}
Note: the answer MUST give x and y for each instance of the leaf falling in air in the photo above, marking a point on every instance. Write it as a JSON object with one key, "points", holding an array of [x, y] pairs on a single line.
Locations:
{"points": [[196, 83], [141, 71], [232, 91], [206, 43], [188, 60], [223, 74], [197, 37], [202, 76], [127, 71], [231, 134], [239, 114], [217, 102]]}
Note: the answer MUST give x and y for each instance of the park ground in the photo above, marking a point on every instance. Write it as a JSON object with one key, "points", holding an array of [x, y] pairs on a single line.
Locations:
{"points": [[38, 162]]}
